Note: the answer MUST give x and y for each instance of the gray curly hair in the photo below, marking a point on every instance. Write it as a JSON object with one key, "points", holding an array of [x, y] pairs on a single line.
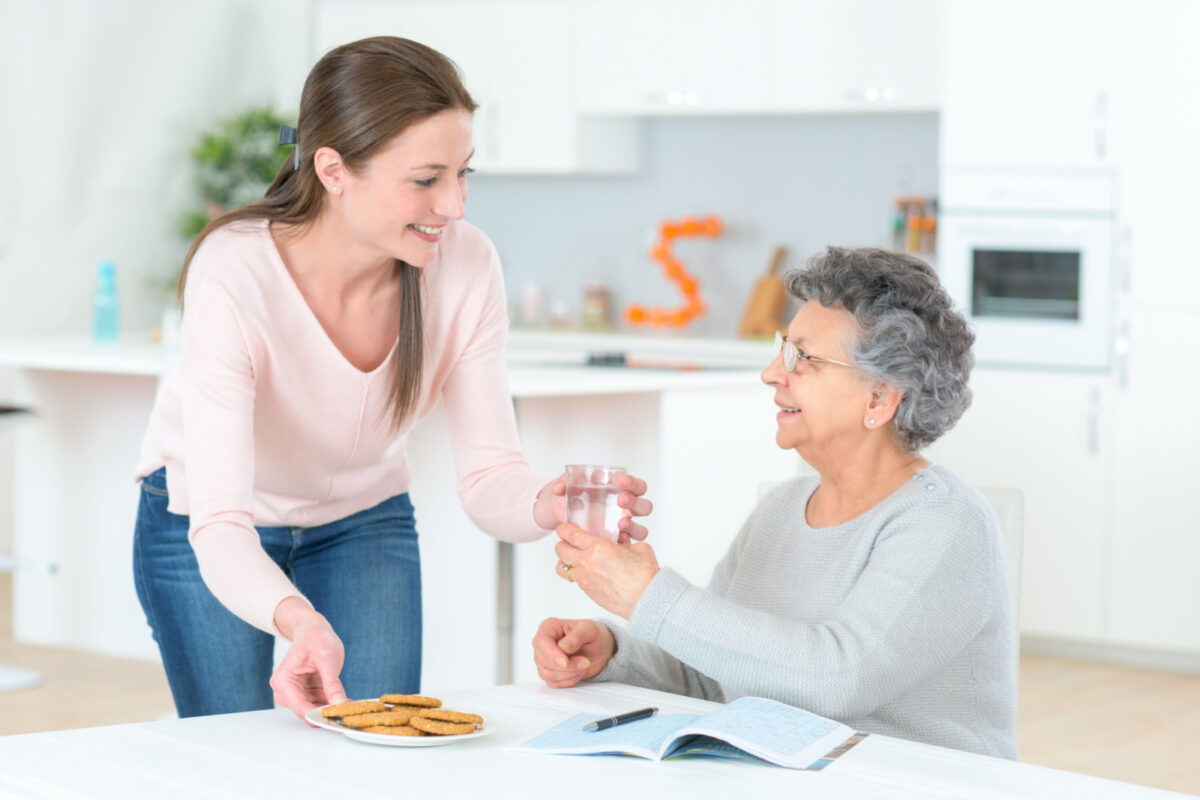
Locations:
{"points": [[910, 337]]}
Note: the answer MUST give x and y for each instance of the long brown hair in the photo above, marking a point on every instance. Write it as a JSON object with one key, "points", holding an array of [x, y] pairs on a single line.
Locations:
{"points": [[357, 99]]}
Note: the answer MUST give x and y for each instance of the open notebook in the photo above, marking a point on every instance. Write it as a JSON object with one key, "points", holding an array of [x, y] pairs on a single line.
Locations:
{"points": [[750, 728]]}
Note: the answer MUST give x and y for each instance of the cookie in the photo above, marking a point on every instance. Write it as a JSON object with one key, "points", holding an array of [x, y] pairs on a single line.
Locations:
{"points": [[440, 728], [394, 730], [377, 719], [351, 707], [446, 715], [411, 700]]}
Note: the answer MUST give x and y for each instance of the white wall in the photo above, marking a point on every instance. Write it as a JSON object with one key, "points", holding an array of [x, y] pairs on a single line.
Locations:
{"points": [[99, 104], [104, 99]]}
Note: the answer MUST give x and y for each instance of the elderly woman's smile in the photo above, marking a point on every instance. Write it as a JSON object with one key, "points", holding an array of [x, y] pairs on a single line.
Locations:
{"points": [[821, 398]]}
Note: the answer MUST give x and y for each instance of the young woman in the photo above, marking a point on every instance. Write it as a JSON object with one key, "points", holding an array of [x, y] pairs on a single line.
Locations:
{"points": [[320, 324]]}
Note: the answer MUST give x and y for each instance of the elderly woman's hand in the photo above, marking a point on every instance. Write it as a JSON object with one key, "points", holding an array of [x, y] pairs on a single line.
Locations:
{"points": [[568, 651], [613, 575]]}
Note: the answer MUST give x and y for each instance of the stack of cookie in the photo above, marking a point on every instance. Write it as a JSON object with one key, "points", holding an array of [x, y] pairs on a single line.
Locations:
{"points": [[403, 715]]}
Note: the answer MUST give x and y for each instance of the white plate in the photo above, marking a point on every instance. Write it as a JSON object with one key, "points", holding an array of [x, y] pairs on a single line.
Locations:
{"points": [[315, 718]]}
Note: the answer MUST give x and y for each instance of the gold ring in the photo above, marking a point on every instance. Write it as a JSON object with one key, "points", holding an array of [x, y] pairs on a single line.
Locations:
{"points": [[567, 569]]}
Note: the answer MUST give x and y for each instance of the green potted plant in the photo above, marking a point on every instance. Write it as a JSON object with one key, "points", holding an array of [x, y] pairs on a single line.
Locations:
{"points": [[235, 163]]}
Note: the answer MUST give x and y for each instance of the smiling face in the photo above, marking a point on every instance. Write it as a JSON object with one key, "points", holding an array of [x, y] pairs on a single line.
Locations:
{"points": [[400, 204], [821, 405]]}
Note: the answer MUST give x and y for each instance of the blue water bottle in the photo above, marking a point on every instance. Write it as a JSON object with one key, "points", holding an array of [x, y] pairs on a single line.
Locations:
{"points": [[105, 308]]}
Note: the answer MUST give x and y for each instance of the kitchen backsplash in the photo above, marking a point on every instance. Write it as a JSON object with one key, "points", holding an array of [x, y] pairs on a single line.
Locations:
{"points": [[803, 182]]}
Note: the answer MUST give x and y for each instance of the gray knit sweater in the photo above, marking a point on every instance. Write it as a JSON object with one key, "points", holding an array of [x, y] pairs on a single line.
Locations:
{"points": [[897, 622]]}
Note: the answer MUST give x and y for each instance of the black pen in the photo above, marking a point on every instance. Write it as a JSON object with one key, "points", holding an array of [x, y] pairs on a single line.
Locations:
{"points": [[620, 719]]}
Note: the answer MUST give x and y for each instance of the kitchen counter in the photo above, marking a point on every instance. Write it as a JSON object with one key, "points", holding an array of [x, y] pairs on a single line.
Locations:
{"points": [[694, 434], [130, 356], [540, 363]]}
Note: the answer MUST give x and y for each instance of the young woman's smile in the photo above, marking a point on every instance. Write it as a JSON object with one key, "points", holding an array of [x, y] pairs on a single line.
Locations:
{"points": [[398, 207]]}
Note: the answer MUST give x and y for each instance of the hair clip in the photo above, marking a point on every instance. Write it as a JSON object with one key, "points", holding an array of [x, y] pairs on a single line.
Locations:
{"points": [[287, 135]]}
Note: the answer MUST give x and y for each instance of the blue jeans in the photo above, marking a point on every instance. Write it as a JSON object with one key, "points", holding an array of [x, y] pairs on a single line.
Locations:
{"points": [[362, 572]]}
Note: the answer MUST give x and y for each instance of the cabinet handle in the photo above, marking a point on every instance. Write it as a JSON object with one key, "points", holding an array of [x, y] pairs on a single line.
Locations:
{"points": [[1093, 431], [871, 94], [672, 97], [1121, 349], [1125, 258]]}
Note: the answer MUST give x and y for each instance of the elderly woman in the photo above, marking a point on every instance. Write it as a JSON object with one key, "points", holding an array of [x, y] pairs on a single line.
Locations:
{"points": [[874, 593]]}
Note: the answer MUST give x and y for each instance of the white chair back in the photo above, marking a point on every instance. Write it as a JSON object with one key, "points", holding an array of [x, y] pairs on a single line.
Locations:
{"points": [[1009, 505]]}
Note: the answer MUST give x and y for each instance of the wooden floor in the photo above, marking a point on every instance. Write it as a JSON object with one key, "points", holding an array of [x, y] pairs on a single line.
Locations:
{"points": [[1128, 724]]}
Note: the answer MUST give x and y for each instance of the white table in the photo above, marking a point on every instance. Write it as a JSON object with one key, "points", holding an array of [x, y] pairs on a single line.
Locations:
{"points": [[271, 754]]}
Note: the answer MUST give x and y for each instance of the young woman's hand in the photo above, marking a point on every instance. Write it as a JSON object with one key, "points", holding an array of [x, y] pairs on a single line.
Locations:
{"points": [[550, 509], [307, 675]]}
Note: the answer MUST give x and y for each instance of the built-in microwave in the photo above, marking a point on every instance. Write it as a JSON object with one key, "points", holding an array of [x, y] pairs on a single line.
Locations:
{"points": [[1029, 260]]}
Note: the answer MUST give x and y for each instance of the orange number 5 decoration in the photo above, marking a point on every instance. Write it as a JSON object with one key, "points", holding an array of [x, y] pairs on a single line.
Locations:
{"points": [[676, 271]]}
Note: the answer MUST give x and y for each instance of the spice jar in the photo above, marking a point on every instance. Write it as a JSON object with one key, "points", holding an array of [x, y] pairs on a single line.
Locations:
{"points": [[597, 306]]}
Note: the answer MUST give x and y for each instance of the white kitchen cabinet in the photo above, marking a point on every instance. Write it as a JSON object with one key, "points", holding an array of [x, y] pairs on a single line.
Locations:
{"points": [[672, 56], [865, 55], [517, 62], [1158, 127], [1043, 433], [456, 29], [666, 57], [1112, 542], [1028, 83], [1154, 591]]}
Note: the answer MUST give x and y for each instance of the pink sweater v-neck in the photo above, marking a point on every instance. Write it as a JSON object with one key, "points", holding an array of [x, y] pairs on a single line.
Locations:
{"points": [[263, 421]]}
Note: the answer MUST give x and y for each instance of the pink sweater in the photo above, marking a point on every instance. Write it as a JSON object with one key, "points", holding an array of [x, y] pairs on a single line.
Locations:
{"points": [[264, 421]]}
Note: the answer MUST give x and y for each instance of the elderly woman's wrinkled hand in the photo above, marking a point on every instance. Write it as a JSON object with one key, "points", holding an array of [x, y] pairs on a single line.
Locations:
{"points": [[568, 651], [614, 575]]}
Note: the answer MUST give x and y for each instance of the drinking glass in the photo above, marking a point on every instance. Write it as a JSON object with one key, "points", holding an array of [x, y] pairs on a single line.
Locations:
{"points": [[592, 498]]}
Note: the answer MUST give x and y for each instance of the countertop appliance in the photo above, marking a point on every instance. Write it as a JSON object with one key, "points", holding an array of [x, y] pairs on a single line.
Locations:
{"points": [[1028, 257]]}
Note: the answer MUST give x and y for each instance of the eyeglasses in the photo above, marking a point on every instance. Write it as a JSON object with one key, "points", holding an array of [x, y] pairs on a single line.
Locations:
{"points": [[792, 354]]}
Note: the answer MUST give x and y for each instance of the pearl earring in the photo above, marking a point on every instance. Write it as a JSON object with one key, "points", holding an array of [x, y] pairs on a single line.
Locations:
{"points": [[871, 421]]}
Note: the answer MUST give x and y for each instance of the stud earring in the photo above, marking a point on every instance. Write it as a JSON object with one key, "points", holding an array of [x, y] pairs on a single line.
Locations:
{"points": [[871, 421]]}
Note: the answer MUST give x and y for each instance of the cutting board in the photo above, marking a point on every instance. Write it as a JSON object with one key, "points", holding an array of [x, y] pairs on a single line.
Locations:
{"points": [[767, 300]]}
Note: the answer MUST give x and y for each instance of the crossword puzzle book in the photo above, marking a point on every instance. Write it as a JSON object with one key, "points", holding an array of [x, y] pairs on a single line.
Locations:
{"points": [[750, 728]]}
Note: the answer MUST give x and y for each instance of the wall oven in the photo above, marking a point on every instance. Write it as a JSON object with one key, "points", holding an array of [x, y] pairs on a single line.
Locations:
{"points": [[1029, 259]]}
